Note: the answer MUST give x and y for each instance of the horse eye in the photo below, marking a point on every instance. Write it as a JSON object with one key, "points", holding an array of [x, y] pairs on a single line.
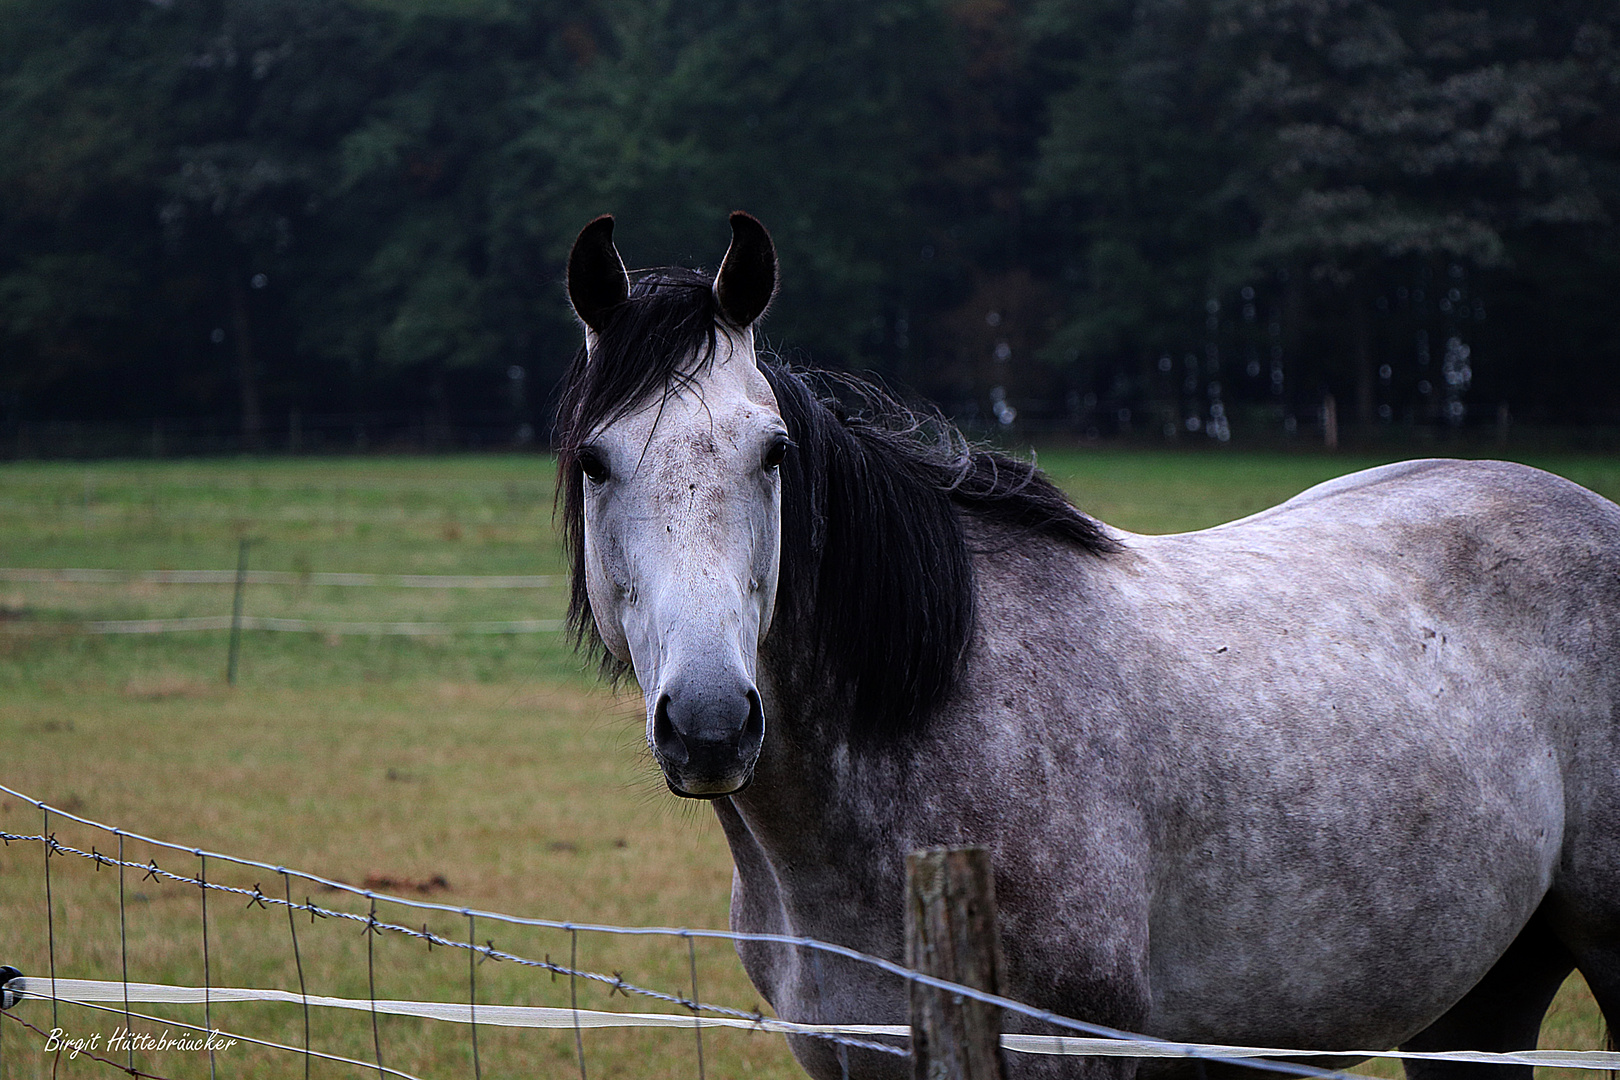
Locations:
{"points": [[592, 465], [775, 455]]}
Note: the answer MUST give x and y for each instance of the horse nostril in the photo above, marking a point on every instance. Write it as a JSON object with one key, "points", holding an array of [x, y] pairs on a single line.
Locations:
{"points": [[666, 740], [753, 732]]}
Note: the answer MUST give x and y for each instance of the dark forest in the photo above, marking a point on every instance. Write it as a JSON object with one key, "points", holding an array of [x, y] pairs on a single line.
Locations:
{"points": [[321, 223]]}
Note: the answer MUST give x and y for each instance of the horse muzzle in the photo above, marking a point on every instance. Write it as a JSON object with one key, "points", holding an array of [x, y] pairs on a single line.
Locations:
{"points": [[707, 736]]}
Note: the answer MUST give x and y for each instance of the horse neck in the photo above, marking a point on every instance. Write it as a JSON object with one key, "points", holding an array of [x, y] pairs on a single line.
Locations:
{"points": [[833, 754], [821, 804]]}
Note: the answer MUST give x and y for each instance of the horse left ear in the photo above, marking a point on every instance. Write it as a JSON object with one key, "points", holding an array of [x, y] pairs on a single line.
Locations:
{"points": [[597, 282], [747, 278]]}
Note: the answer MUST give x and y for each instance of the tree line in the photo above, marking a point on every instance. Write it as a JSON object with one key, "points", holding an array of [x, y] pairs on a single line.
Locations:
{"points": [[1191, 218]]}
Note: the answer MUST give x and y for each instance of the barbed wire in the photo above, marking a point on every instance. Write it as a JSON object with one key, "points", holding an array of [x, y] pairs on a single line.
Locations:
{"points": [[615, 982], [1128, 1044], [887, 966]]}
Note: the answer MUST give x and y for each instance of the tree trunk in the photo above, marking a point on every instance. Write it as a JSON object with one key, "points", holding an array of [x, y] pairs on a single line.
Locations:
{"points": [[247, 368], [439, 433], [1361, 330]]}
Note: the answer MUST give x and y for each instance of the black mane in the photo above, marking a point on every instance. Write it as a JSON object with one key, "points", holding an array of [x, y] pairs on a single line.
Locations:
{"points": [[876, 588]]}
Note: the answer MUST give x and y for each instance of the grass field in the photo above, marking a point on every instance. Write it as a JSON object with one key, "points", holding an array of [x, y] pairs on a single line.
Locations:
{"points": [[494, 763]]}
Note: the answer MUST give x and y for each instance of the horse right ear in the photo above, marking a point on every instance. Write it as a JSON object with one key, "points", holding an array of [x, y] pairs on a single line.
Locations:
{"points": [[597, 281], [747, 279]]}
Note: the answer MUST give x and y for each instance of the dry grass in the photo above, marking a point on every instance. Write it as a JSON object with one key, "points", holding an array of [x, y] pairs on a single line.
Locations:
{"points": [[522, 799]]}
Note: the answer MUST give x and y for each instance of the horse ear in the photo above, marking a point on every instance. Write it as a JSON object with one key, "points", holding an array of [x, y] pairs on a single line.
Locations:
{"points": [[747, 278], [597, 282]]}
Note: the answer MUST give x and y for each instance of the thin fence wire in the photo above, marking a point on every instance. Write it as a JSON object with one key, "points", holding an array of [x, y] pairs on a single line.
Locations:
{"points": [[472, 992], [301, 626], [238, 621], [298, 960], [81, 576], [843, 1038], [219, 1036], [130, 1068], [371, 924], [208, 1004], [616, 982]]}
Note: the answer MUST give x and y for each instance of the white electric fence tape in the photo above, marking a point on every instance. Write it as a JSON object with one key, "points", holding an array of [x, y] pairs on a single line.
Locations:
{"points": [[86, 991]]}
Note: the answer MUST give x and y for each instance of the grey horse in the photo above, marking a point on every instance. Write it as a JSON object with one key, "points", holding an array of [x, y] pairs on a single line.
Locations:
{"points": [[1343, 774]]}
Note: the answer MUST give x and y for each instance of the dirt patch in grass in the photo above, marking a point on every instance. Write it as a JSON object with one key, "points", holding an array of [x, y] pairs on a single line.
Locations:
{"points": [[167, 685], [402, 885]]}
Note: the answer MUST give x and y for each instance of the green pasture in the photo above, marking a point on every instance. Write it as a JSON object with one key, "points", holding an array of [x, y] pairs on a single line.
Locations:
{"points": [[490, 772]]}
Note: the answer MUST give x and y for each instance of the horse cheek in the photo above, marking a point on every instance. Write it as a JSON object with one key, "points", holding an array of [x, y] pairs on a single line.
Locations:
{"points": [[607, 585]]}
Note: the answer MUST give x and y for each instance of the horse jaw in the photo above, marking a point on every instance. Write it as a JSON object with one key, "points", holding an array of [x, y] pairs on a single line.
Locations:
{"points": [[682, 548]]}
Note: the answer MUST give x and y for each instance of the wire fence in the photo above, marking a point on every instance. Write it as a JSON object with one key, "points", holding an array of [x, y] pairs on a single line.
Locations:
{"points": [[240, 579], [305, 626], [378, 916], [281, 577], [121, 996]]}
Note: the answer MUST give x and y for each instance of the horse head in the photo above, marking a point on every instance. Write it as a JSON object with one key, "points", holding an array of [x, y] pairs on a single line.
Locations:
{"points": [[671, 442]]}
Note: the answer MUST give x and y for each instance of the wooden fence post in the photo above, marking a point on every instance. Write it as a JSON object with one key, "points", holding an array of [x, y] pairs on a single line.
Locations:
{"points": [[236, 614], [951, 934]]}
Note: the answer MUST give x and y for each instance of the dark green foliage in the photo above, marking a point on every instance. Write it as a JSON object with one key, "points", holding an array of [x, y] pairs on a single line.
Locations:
{"points": [[1175, 214], [1289, 198]]}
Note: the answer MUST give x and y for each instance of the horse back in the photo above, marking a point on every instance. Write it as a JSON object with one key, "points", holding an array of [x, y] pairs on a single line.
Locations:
{"points": [[1497, 548]]}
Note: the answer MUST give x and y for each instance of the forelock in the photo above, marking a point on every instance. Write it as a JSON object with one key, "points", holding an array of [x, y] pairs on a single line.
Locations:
{"points": [[663, 333]]}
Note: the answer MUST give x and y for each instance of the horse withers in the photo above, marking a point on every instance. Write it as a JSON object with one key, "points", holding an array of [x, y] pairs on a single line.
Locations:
{"points": [[1343, 774]]}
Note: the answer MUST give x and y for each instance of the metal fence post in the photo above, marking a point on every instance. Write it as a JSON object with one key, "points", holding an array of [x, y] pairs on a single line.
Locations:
{"points": [[951, 934]]}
